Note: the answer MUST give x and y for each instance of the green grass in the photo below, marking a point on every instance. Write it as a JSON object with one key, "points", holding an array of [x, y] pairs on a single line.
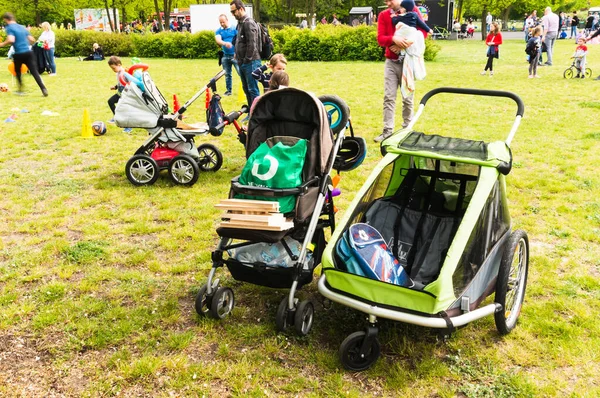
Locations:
{"points": [[98, 277]]}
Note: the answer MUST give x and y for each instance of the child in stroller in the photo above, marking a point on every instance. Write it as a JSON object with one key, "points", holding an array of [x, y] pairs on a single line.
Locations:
{"points": [[171, 142]]}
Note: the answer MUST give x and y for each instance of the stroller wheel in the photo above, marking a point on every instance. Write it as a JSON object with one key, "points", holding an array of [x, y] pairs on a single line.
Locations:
{"points": [[350, 352], [142, 170], [512, 280], [222, 303], [337, 110], [203, 302], [281, 318], [211, 159], [303, 319], [568, 74], [184, 170]]}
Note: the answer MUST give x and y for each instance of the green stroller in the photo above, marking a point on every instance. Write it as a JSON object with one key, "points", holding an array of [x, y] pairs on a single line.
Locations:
{"points": [[445, 243]]}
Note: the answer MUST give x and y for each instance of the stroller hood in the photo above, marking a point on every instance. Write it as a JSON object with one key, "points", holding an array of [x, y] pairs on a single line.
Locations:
{"points": [[140, 109], [296, 113]]}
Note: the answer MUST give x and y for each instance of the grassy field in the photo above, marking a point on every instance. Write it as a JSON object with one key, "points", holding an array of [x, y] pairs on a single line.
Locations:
{"points": [[98, 277]]}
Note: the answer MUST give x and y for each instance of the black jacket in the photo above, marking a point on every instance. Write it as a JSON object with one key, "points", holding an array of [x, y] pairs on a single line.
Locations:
{"points": [[247, 45]]}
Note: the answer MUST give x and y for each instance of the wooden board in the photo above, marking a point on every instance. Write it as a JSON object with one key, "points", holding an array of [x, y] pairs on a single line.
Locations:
{"points": [[244, 204], [244, 225], [268, 219]]}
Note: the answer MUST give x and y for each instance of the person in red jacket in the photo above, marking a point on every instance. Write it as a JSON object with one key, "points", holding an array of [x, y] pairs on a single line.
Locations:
{"points": [[392, 74], [493, 40]]}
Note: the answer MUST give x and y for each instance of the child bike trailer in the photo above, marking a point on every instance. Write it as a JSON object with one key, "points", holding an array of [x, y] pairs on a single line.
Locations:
{"points": [[428, 238]]}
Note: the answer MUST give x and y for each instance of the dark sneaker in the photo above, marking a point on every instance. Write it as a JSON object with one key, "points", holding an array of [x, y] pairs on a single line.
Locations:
{"points": [[127, 130], [227, 93], [383, 136], [45, 92]]}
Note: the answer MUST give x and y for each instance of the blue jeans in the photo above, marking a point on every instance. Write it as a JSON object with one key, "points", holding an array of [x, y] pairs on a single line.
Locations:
{"points": [[573, 32], [49, 55], [228, 62], [249, 84]]}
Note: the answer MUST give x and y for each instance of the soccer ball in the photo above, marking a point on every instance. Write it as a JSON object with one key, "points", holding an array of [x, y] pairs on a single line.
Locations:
{"points": [[3, 87], [99, 128]]}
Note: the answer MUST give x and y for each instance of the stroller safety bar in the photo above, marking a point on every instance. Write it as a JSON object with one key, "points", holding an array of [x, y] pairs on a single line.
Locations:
{"points": [[199, 93], [271, 192], [431, 322], [472, 91]]}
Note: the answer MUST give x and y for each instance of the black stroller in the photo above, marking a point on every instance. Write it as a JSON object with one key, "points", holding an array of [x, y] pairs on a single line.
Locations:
{"points": [[280, 116]]}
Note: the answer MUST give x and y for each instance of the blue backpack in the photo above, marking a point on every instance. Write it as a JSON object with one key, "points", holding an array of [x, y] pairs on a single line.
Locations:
{"points": [[215, 115]]}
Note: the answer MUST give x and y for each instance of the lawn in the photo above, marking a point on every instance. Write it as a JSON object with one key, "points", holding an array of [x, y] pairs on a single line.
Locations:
{"points": [[98, 277]]}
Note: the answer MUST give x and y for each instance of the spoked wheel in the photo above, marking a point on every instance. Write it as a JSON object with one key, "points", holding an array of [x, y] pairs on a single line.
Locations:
{"points": [[512, 280], [211, 159], [184, 170], [337, 110], [303, 319], [203, 301], [569, 73], [350, 352], [222, 303], [588, 73], [281, 318], [142, 170]]}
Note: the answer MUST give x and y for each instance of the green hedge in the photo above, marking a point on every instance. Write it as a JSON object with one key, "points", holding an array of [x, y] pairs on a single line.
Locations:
{"points": [[325, 43]]}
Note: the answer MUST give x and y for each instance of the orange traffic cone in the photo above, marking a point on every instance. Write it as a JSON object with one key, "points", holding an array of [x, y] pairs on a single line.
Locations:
{"points": [[176, 105]]}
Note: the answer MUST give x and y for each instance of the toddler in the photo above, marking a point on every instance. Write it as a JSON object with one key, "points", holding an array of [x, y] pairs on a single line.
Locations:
{"points": [[276, 63], [533, 50], [115, 64], [579, 56]]}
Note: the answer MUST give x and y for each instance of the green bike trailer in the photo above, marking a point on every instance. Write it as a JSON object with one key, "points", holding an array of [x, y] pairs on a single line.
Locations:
{"points": [[440, 205]]}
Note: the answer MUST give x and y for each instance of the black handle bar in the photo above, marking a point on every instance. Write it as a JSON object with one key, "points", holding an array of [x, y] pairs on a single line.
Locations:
{"points": [[473, 91], [229, 118]]}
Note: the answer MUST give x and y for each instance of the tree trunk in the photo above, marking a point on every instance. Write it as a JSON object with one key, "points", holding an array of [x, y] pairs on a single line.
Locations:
{"points": [[167, 11], [484, 23], [114, 8], [505, 15], [110, 22], [161, 27], [256, 11], [459, 8], [38, 18]]}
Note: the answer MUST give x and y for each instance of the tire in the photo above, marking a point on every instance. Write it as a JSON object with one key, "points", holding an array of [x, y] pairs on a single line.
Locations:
{"points": [[203, 302], [337, 110], [222, 303], [281, 318], [184, 170], [350, 352], [588, 73], [303, 319], [211, 159], [512, 281], [142, 170], [568, 74]]}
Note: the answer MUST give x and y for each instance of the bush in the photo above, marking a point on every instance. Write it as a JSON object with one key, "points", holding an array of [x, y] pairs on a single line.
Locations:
{"points": [[325, 43]]}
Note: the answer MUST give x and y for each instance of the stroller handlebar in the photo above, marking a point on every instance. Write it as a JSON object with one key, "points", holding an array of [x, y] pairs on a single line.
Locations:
{"points": [[472, 91]]}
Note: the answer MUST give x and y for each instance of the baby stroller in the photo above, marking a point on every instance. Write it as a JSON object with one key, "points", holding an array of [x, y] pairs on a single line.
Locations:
{"points": [[575, 70], [441, 208], [285, 115], [171, 143]]}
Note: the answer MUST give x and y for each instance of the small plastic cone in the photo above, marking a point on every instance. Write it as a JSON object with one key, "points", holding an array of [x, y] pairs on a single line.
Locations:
{"points": [[241, 96], [86, 128], [336, 180], [207, 98]]}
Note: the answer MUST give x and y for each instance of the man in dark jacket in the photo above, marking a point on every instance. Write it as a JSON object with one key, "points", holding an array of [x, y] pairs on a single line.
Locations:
{"points": [[247, 49]]}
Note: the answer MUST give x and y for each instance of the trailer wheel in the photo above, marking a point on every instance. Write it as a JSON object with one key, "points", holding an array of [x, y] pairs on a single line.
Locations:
{"points": [[350, 355], [511, 282]]}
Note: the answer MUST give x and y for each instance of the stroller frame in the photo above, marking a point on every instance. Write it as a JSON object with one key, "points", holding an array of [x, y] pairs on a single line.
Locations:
{"points": [[219, 301], [437, 304]]}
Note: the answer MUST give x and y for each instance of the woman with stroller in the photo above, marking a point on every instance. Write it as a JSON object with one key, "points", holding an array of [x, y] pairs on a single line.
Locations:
{"points": [[46, 41], [493, 41]]}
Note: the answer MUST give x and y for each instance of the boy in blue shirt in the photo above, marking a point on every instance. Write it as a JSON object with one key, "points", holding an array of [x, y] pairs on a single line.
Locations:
{"points": [[224, 36], [21, 39]]}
